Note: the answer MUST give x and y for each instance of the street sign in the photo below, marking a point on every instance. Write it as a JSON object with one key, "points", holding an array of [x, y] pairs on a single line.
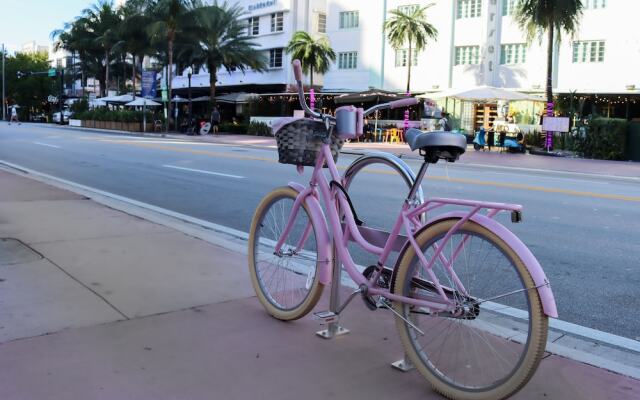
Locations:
{"points": [[52, 72], [555, 124], [165, 97]]}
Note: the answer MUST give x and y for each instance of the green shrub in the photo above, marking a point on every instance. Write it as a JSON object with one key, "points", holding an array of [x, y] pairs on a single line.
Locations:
{"points": [[238, 129], [602, 138], [79, 106], [259, 129]]}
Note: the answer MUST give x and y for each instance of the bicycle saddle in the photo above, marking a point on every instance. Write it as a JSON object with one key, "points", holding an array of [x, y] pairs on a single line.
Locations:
{"points": [[437, 145]]}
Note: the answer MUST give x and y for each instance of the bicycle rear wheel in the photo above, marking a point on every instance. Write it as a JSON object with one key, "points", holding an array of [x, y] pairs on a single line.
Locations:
{"points": [[286, 282], [492, 345]]}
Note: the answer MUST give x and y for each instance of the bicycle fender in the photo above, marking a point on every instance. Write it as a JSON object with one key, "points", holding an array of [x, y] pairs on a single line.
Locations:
{"points": [[522, 251], [325, 254]]}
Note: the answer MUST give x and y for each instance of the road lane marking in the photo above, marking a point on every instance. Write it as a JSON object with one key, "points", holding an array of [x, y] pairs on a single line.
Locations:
{"points": [[46, 144], [544, 189], [204, 172]]}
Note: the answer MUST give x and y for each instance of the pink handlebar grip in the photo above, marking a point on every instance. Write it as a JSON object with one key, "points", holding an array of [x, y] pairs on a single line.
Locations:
{"points": [[297, 70], [409, 101]]}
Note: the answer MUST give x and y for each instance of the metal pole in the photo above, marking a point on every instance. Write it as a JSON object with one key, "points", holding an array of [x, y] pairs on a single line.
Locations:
{"points": [[4, 110], [190, 104], [60, 97]]}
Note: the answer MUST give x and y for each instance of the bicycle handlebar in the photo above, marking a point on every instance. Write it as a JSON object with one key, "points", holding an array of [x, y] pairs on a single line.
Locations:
{"points": [[409, 101], [297, 72]]}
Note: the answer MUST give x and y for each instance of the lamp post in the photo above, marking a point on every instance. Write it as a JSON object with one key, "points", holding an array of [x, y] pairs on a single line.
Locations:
{"points": [[189, 73]]}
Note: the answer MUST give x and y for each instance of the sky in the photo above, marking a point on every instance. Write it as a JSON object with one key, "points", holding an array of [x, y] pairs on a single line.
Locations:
{"points": [[23, 21]]}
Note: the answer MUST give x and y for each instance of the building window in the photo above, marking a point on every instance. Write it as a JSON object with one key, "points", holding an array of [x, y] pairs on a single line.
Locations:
{"points": [[467, 55], [402, 57], [277, 22], [408, 9], [275, 58], [349, 19], [509, 7], [594, 4], [253, 28], [588, 51], [515, 53], [348, 60], [469, 9], [322, 23]]}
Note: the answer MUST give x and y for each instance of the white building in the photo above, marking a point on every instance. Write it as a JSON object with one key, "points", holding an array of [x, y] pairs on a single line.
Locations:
{"points": [[32, 47], [271, 25], [480, 44]]}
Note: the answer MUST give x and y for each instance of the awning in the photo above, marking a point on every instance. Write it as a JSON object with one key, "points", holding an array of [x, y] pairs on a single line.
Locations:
{"points": [[237, 98], [482, 93], [368, 96]]}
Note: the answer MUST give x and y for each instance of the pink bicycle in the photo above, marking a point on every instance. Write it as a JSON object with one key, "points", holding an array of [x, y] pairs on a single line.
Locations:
{"points": [[471, 302]]}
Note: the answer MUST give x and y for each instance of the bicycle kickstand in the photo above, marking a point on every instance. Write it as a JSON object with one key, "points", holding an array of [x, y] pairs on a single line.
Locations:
{"points": [[331, 317]]}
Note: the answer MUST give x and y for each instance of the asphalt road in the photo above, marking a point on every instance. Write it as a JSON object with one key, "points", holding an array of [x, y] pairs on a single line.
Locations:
{"points": [[583, 229]]}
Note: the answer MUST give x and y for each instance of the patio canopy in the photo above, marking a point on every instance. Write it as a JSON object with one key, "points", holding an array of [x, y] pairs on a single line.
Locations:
{"points": [[141, 101], [237, 98], [368, 96], [482, 93]]}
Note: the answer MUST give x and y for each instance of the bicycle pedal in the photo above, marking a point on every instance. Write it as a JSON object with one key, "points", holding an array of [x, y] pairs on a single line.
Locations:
{"points": [[325, 317]]}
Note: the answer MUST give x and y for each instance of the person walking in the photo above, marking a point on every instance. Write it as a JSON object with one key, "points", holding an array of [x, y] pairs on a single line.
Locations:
{"points": [[14, 116], [445, 125], [215, 120]]}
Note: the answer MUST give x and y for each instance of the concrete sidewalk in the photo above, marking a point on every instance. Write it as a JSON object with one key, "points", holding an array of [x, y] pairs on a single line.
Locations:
{"points": [[626, 169], [99, 304]]}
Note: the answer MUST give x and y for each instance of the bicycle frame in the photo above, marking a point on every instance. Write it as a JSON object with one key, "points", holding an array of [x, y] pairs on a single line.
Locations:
{"points": [[409, 219]]}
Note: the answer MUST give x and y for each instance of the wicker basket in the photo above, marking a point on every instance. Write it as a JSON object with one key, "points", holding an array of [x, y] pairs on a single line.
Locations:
{"points": [[300, 142]]}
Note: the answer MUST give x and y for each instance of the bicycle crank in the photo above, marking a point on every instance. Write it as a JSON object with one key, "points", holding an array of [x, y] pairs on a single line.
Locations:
{"points": [[384, 281]]}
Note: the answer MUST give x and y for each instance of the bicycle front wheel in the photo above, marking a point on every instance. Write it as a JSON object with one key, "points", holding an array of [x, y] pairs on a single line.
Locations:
{"points": [[286, 281], [491, 344]]}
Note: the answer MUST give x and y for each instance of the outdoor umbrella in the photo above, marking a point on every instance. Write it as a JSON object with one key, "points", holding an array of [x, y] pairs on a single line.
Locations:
{"points": [[141, 101], [123, 98]]}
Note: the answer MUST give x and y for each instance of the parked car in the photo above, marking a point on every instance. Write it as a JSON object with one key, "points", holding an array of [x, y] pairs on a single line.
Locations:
{"points": [[65, 115]]}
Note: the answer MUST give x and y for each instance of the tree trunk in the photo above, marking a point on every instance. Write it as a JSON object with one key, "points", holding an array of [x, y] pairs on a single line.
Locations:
{"points": [[106, 73], [134, 75], [170, 78], [409, 69], [103, 85], [212, 86], [550, 64], [311, 77]]}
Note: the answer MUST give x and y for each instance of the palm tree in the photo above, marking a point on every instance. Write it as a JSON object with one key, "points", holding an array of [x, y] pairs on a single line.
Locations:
{"points": [[219, 39], [134, 37], [553, 16], [409, 27], [170, 18], [101, 22], [314, 54]]}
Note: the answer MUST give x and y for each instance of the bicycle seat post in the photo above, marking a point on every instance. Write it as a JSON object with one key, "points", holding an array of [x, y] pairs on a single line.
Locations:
{"points": [[416, 184]]}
